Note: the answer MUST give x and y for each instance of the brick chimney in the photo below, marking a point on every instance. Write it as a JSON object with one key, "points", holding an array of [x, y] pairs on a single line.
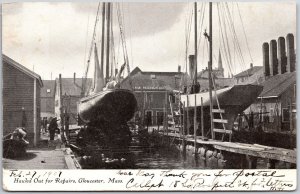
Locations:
{"points": [[265, 49], [179, 68], [74, 78], [281, 56], [291, 59], [273, 58], [251, 65]]}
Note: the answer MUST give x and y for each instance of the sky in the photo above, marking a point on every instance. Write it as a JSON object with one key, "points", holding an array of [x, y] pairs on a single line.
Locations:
{"points": [[54, 38]]}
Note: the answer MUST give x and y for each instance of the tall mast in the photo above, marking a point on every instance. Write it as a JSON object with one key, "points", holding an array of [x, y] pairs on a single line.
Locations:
{"points": [[107, 42], [102, 39], [195, 62], [210, 70]]}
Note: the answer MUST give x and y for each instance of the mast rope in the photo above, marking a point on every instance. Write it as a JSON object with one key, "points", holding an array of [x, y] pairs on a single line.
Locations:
{"points": [[92, 45], [244, 32]]}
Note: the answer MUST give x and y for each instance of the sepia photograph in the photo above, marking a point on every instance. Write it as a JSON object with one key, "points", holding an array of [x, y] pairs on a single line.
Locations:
{"points": [[180, 94]]}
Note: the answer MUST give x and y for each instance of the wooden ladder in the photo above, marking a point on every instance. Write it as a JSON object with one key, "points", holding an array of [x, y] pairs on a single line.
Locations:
{"points": [[171, 120], [223, 121]]}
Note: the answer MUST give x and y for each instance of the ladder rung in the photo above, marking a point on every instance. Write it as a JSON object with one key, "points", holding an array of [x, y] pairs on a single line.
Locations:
{"points": [[218, 110], [223, 131], [220, 121]]}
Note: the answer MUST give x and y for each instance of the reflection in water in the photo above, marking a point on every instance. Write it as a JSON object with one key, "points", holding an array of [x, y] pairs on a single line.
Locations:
{"points": [[165, 158]]}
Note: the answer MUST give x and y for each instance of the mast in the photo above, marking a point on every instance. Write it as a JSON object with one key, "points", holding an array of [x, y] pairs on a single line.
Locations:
{"points": [[107, 41], [210, 70], [195, 62], [102, 39]]}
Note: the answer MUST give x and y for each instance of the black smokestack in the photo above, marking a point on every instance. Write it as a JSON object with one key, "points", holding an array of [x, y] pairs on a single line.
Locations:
{"points": [[291, 59], [281, 56], [273, 58], [265, 49]]}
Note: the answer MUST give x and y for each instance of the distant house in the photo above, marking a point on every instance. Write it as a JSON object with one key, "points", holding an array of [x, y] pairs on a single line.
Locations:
{"points": [[71, 94], [47, 99], [151, 90], [253, 74], [217, 72], [277, 103], [21, 99]]}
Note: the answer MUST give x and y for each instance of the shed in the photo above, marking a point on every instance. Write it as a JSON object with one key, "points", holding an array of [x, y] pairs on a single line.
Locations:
{"points": [[21, 99]]}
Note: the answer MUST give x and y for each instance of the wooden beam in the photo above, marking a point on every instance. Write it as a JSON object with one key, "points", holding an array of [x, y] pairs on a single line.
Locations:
{"points": [[218, 110], [223, 131], [220, 121], [34, 114]]}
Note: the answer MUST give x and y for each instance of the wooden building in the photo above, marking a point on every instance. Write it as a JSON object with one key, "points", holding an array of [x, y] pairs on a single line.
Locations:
{"points": [[48, 99], [71, 94], [276, 104], [21, 99], [151, 90]]}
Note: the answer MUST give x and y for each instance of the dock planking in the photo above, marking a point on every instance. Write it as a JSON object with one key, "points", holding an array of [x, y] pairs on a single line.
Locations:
{"points": [[255, 150]]}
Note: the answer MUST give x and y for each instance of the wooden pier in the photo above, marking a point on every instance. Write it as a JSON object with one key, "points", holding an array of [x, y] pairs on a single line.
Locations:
{"points": [[251, 152]]}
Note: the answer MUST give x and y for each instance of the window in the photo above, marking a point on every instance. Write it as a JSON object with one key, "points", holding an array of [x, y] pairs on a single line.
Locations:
{"points": [[159, 117], [285, 115], [48, 90], [153, 76], [148, 117], [262, 112]]}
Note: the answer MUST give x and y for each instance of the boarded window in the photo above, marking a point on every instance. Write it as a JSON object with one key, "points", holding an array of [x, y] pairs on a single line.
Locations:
{"points": [[285, 115]]}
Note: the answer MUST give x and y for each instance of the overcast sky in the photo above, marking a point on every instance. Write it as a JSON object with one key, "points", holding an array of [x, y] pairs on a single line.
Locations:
{"points": [[55, 37]]}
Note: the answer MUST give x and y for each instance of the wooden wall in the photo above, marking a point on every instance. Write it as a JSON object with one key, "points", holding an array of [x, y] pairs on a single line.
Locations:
{"points": [[18, 93]]}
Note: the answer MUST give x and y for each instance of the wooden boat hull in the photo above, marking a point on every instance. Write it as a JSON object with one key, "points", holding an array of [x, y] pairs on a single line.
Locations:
{"points": [[112, 106], [233, 100]]}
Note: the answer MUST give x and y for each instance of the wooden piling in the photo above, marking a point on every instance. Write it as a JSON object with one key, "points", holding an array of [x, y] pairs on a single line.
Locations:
{"points": [[183, 132], [187, 115], [195, 127], [202, 119], [61, 110]]}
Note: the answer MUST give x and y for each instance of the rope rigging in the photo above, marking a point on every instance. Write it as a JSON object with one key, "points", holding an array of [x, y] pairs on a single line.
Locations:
{"points": [[92, 44]]}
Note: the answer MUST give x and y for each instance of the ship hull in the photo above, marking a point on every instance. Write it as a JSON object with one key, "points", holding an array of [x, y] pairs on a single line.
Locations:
{"points": [[109, 106], [233, 100]]}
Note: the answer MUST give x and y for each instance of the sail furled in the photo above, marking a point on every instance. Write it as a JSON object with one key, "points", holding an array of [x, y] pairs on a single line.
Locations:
{"points": [[98, 74]]}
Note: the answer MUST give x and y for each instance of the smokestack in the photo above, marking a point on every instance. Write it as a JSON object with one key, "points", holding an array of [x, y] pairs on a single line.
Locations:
{"points": [[251, 65], [116, 72], [74, 78], [273, 58], [179, 68], [291, 59], [191, 65], [265, 49], [281, 56]]}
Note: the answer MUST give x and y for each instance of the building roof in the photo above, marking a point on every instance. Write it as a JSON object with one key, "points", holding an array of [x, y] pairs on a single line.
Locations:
{"points": [[249, 72], [275, 85], [22, 68], [151, 80], [49, 88], [169, 80], [73, 89]]}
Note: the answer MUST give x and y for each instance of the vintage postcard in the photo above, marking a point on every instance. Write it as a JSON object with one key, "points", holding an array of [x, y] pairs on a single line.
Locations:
{"points": [[149, 96]]}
